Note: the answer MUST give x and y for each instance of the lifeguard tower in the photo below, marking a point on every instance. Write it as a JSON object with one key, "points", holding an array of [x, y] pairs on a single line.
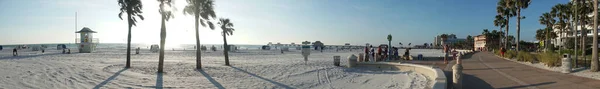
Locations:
{"points": [[87, 41]]}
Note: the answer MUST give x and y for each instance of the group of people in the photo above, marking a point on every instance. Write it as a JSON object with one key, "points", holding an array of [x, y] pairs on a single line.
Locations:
{"points": [[382, 53]]}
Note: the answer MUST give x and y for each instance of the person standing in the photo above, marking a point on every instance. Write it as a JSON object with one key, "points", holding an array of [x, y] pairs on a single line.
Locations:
{"points": [[395, 53], [378, 53], [385, 53], [372, 52], [446, 50], [15, 53], [366, 53]]}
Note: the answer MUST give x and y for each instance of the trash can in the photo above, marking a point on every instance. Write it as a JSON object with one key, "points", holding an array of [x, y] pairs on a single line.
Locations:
{"points": [[566, 63], [361, 57], [336, 60], [352, 60]]}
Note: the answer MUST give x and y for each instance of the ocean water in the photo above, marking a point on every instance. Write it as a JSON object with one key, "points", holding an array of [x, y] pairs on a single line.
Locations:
{"points": [[135, 45]]}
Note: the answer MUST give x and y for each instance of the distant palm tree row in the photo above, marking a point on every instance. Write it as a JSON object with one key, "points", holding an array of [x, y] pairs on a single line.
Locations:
{"points": [[203, 12], [569, 18]]}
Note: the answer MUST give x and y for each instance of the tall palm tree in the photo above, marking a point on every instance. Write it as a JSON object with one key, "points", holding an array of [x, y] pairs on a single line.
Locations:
{"points": [[584, 8], [500, 21], [227, 28], [595, 39], [519, 5], [204, 9], [506, 8], [132, 8], [562, 12], [165, 16], [548, 20]]}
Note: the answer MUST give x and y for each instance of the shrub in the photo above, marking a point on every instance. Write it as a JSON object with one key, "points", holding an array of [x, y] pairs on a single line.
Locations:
{"points": [[525, 56], [550, 59], [497, 53], [510, 54]]}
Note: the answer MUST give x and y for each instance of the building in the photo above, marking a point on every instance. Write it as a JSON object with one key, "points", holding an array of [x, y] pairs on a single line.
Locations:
{"points": [[438, 41], [479, 42]]}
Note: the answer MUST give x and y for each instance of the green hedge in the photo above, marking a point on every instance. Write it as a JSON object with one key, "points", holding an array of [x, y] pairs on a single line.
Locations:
{"points": [[550, 59]]}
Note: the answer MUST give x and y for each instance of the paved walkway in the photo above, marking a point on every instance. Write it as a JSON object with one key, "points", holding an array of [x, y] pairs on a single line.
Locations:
{"points": [[483, 70]]}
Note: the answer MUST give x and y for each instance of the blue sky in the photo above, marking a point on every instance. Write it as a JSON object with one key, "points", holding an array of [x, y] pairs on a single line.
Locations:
{"points": [[263, 21]]}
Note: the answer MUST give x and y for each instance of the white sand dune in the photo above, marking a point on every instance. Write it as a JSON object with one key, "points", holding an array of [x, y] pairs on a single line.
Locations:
{"points": [[250, 69]]}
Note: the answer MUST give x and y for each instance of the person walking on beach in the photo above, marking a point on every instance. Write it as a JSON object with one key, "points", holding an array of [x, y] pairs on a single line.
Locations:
{"points": [[15, 52]]}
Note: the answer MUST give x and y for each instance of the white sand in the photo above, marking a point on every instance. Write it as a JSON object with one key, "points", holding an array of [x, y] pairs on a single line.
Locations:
{"points": [[250, 69]]}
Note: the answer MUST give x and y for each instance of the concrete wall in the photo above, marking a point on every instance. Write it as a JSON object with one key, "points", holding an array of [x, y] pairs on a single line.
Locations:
{"points": [[435, 75]]}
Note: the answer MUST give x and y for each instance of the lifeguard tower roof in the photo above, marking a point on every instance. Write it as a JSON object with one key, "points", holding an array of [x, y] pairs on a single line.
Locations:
{"points": [[86, 29]]}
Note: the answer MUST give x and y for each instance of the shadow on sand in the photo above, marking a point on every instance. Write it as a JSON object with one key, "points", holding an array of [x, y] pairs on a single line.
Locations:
{"points": [[109, 79], [28, 56], [213, 81], [274, 82]]}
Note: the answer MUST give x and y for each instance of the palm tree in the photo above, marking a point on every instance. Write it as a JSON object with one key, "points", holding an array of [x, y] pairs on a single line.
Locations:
{"points": [[595, 39], [506, 8], [132, 8], [500, 21], [227, 28], [548, 20], [562, 12], [204, 9], [444, 38], [519, 5], [165, 16], [584, 8]]}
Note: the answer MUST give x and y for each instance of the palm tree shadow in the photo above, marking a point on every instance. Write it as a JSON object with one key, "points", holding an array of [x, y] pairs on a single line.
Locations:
{"points": [[109, 79], [159, 81], [274, 82], [213, 81], [29, 56]]}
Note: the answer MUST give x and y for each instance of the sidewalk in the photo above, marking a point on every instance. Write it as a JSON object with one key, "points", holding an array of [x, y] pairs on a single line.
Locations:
{"points": [[483, 70]]}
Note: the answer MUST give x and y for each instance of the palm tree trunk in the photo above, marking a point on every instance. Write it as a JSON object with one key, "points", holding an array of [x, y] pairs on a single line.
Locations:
{"points": [[583, 36], [163, 35], [507, 21], [225, 52], [198, 52], [595, 39], [547, 43], [575, 36], [128, 64], [518, 28]]}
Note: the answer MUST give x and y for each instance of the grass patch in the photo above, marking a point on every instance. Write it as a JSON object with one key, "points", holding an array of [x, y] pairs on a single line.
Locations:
{"points": [[526, 57], [550, 59]]}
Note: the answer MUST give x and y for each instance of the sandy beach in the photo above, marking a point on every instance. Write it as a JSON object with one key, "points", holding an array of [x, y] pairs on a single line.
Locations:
{"points": [[250, 69]]}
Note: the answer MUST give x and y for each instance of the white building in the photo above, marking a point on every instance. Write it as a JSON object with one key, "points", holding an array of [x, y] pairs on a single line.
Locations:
{"points": [[479, 42], [568, 33]]}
